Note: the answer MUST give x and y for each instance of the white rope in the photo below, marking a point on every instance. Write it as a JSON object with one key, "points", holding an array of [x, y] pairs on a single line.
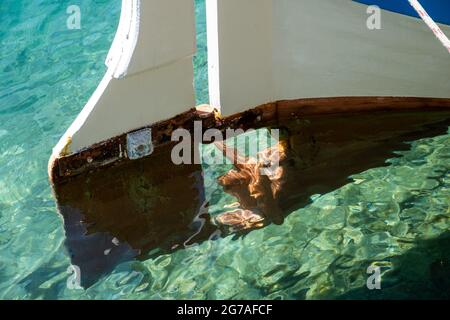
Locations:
{"points": [[431, 24]]}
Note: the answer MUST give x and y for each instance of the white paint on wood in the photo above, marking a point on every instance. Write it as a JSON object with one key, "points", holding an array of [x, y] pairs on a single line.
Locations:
{"points": [[240, 55], [289, 49], [259, 51], [167, 33], [149, 77], [133, 102], [213, 53]]}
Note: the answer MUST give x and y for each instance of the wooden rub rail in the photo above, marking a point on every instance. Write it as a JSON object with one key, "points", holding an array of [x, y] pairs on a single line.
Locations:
{"points": [[114, 151]]}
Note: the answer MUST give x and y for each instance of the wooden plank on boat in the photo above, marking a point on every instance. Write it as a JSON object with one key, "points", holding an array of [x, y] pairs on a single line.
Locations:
{"points": [[263, 51], [149, 77]]}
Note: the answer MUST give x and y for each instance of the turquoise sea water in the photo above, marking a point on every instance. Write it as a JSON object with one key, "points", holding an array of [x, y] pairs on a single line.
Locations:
{"points": [[396, 217]]}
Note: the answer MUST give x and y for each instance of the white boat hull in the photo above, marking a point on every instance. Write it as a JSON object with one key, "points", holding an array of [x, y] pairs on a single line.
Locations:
{"points": [[259, 51]]}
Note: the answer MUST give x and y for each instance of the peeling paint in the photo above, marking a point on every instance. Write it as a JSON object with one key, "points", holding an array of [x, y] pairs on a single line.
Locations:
{"points": [[66, 150]]}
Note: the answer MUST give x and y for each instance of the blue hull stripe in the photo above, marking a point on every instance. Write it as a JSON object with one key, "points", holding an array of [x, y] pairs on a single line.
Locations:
{"points": [[439, 10]]}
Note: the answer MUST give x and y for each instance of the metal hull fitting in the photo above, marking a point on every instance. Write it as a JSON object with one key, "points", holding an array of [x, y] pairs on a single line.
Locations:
{"points": [[116, 187]]}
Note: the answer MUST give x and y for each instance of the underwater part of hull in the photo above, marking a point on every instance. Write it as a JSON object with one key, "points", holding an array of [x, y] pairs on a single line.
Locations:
{"points": [[116, 208]]}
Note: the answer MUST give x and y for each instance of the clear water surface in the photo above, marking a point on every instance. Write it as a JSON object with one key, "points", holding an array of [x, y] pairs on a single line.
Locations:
{"points": [[396, 217]]}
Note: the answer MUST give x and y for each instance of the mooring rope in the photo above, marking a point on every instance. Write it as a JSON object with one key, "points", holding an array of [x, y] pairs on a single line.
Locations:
{"points": [[431, 24]]}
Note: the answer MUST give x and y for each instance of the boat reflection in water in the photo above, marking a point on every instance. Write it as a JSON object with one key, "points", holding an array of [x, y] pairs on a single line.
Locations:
{"points": [[147, 207]]}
